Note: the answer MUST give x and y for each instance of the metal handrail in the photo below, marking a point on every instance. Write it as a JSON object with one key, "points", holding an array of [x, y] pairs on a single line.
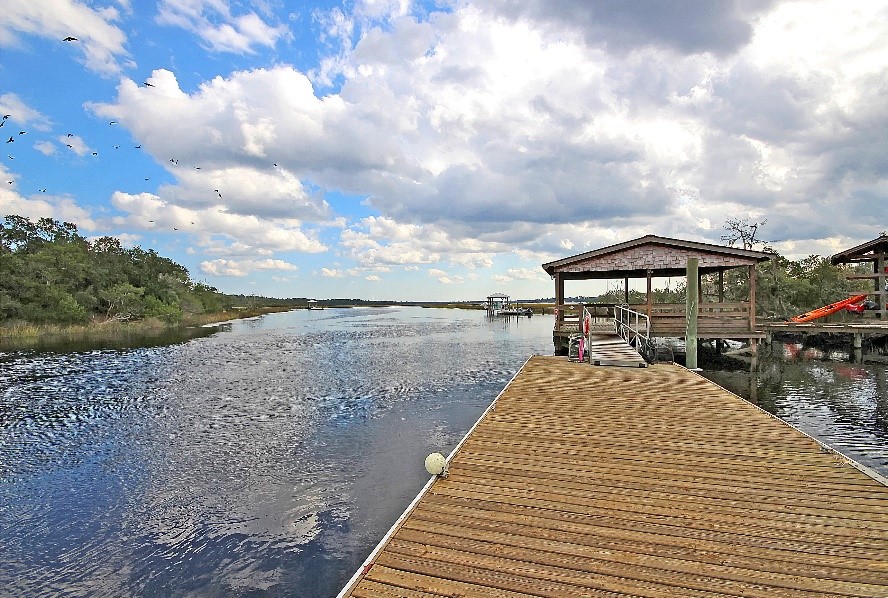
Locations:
{"points": [[634, 327]]}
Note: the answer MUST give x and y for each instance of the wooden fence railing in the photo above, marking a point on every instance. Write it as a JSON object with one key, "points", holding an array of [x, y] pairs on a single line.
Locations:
{"points": [[668, 319]]}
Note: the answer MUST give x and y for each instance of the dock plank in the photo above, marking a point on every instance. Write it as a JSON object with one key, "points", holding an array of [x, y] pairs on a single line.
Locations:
{"points": [[644, 482]]}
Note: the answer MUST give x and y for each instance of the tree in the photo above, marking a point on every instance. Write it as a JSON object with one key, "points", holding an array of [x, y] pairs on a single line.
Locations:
{"points": [[49, 273], [742, 231]]}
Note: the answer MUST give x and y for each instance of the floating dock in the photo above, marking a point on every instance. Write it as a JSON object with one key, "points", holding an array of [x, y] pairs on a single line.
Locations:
{"points": [[597, 481]]}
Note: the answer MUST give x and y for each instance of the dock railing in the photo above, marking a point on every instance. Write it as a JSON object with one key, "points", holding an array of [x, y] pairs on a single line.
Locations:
{"points": [[634, 327], [570, 317]]}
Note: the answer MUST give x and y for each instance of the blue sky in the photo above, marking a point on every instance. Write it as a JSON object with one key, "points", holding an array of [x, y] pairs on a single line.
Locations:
{"points": [[390, 149]]}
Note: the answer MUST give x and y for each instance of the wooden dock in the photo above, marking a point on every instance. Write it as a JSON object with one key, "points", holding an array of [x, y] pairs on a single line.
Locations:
{"points": [[595, 481]]}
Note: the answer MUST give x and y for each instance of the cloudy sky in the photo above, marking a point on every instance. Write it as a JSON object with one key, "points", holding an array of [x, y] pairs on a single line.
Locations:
{"points": [[392, 149]]}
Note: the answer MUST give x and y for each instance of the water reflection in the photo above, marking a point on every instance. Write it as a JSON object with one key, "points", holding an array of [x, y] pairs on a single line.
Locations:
{"points": [[268, 458], [265, 459], [843, 405]]}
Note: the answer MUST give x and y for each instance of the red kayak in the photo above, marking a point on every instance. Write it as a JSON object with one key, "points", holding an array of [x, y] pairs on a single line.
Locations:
{"points": [[828, 309]]}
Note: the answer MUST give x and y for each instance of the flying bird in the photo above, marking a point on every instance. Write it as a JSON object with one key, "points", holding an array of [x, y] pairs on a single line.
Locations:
{"points": [[70, 39], [113, 122], [139, 146], [94, 153], [43, 191], [21, 132], [12, 157], [10, 140], [2, 122], [197, 168], [72, 147], [146, 84], [70, 134], [146, 178], [174, 228], [5, 116]]}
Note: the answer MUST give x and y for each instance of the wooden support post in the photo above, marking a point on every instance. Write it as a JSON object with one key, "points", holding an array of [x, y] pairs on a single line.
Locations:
{"points": [[879, 267], [721, 286], [650, 298], [857, 348], [752, 298], [691, 314], [626, 290]]}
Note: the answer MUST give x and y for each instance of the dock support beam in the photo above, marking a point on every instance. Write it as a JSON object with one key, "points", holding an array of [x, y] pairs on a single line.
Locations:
{"points": [[693, 299], [857, 348]]}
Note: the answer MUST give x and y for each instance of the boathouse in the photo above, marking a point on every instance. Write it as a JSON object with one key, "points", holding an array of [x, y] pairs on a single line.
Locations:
{"points": [[652, 257], [496, 303], [873, 252]]}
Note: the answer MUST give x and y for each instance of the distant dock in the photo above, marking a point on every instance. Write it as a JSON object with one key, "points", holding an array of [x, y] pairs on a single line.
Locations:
{"points": [[603, 481]]}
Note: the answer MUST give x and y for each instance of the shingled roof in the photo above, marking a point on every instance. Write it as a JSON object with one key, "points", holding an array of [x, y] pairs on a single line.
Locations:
{"points": [[865, 252], [663, 256]]}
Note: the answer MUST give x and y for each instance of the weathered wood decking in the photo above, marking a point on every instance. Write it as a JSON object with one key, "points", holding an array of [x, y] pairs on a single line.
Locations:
{"points": [[647, 482]]}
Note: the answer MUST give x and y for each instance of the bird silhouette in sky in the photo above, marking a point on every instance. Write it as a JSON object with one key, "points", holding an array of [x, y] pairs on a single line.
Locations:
{"points": [[217, 192], [43, 191], [139, 146], [69, 145], [5, 116], [70, 134], [94, 153], [70, 39], [174, 228], [10, 140], [113, 122], [21, 132], [146, 84], [2, 122], [12, 157]]}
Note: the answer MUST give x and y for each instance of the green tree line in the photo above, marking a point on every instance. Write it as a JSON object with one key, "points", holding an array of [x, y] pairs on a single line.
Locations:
{"points": [[49, 273]]}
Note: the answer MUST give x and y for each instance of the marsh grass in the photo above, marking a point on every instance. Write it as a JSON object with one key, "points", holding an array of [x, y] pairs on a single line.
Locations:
{"points": [[25, 335]]}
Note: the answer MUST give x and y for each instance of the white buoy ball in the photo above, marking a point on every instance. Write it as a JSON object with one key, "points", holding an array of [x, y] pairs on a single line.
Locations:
{"points": [[435, 464]]}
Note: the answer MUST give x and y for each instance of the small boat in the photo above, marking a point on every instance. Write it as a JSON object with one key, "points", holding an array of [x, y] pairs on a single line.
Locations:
{"points": [[826, 310], [516, 311]]}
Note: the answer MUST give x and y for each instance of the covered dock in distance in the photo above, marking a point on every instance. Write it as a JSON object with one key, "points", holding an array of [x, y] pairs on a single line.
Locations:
{"points": [[874, 252], [652, 257]]}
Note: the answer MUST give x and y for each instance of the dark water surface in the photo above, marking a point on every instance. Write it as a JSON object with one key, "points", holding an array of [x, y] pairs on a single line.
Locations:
{"points": [[269, 458]]}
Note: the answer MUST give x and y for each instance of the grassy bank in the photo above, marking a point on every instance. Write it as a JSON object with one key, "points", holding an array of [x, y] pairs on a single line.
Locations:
{"points": [[22, 335]]}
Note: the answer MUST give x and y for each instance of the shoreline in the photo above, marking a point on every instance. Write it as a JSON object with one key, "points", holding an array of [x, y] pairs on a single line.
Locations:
{"points": [[30, 336]]}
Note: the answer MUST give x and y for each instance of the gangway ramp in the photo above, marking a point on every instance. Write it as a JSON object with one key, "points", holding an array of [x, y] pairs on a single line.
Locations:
{"points": [[612, 350]]}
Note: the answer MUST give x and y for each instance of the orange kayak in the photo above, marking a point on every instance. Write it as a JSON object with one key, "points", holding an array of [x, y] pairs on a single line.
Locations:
{"points": [[827, 309]]}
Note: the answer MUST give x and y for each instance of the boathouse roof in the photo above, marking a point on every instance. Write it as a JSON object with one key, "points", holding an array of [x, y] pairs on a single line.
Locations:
{"points": [[866, 252], [663, 256]]}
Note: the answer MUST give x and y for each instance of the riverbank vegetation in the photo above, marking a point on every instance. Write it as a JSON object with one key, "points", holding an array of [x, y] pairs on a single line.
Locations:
{"points": [[56, 283]]}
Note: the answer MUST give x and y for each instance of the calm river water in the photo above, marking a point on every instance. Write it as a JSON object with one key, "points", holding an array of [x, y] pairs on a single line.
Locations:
{"points": [[268, 459]]}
